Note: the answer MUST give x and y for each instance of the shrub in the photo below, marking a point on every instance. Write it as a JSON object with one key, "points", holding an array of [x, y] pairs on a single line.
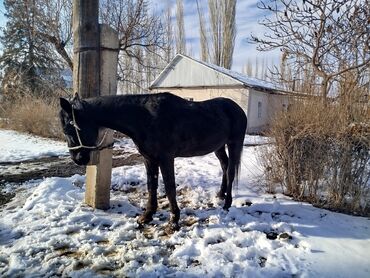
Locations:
{"points": [[36, 115], [322, 155]]}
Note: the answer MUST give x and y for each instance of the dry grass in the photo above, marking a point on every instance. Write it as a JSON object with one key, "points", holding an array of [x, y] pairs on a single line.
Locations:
{"points": [[322, 155], [34, 115]]}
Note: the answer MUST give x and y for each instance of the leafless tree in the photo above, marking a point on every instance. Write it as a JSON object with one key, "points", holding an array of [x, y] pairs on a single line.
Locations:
{"points": [[248, 68], [228, 32], [180, 36], [204, 49], [214, 7], [169, 35], [141, 34], [55, 26], [331, 36], [222, 19]]}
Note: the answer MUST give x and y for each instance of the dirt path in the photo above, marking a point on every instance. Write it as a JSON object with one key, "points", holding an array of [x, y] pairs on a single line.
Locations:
{"points": [[18, 172]]}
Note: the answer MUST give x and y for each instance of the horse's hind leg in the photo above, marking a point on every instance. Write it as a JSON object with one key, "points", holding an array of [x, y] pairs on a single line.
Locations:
{"points": [[152, 183], [168, 174], [222, 157]]}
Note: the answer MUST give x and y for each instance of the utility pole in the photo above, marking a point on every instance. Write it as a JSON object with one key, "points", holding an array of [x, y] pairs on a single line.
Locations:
{"points": [[95, 60]]}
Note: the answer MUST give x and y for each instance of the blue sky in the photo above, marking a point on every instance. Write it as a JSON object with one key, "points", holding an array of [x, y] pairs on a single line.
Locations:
{"points": [[247, 18], [2, 17]]}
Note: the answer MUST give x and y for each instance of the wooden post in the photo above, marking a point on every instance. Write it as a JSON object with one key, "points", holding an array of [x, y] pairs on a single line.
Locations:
{"points": [[95, 73]]}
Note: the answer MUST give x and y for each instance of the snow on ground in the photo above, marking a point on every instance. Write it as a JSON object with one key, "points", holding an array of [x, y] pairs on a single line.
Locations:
{"points": [[125, 145], [251, 140], [15, 146], [49, 231]]}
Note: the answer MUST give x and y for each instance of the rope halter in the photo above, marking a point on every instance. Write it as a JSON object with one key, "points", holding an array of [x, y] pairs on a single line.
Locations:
{"points": [[82, 146]]}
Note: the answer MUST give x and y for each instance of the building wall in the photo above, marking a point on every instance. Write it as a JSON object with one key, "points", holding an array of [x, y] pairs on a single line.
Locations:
{"points": [[257, 115], [261, 115]]}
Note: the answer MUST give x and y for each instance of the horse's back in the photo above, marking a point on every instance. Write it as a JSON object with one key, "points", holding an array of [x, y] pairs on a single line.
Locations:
{"points": [[168, 110], [213, 113], [198, 128], [232, 111]]}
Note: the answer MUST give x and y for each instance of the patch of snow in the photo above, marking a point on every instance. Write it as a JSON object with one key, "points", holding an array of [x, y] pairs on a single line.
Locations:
{"points": [[52, 233], [125, 144], [257, 140], [15, 147]]}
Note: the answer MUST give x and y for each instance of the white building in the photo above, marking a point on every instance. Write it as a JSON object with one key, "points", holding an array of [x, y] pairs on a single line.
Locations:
{"points": [[197, 80]]}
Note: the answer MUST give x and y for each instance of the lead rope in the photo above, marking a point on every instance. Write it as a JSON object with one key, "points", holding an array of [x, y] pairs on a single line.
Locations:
{"points": [[82, 146]]}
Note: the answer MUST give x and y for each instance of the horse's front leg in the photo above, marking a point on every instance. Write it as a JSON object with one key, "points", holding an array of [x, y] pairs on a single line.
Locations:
{"points": [[152, 183], [168, 174]]}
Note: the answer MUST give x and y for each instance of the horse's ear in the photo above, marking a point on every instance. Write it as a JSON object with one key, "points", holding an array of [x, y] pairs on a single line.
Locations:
{"points": [[65, 105], [76, 102], [76, 97]]}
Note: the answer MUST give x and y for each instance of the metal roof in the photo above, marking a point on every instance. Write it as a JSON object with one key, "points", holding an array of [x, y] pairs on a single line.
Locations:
{"points": [[239, 79]]}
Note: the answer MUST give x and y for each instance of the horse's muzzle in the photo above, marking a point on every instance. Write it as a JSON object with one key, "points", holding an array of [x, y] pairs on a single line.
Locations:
{"points": [[81, 158]]}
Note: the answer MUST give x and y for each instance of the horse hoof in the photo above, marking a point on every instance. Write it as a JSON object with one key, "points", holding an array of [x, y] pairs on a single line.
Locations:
{"points": [[171, 228], [144, 219], [227, 203]]}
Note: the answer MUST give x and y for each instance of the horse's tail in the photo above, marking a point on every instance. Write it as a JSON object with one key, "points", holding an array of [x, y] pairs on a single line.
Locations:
{"points": [[238, 152], [238, 159], [238, 124]]}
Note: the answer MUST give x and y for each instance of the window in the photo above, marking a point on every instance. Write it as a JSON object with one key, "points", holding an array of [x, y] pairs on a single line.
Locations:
{"points": [[259, 110]]}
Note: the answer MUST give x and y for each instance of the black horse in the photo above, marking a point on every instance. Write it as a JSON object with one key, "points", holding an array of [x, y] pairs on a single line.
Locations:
{"points": [[163, 126]]}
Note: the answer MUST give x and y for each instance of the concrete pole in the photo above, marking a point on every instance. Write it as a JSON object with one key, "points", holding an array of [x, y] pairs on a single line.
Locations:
{"points": [[98, 175], [94, 73]]}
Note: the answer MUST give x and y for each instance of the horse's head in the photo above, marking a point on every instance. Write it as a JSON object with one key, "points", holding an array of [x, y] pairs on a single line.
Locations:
{"points": [[80, 131]]}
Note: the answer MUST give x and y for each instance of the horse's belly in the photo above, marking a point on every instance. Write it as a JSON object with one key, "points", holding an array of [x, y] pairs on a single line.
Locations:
{"points": [[199, 147], [198, 136], [190, 153]]}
